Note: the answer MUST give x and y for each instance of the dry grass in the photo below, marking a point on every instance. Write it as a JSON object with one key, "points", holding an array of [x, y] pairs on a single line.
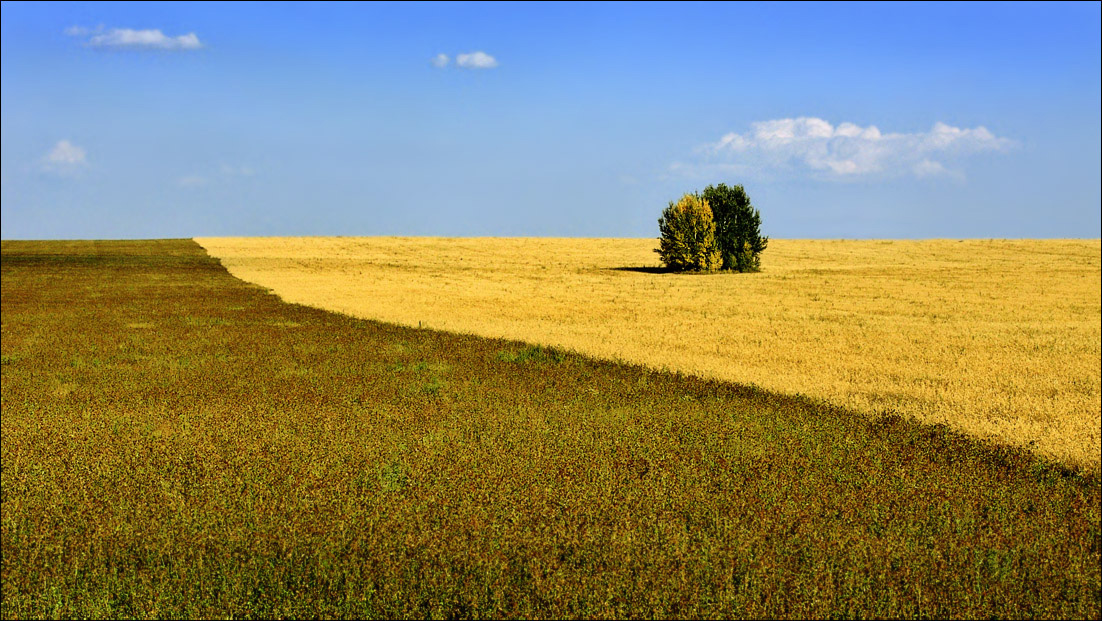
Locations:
{"points": [[1000, 339]]}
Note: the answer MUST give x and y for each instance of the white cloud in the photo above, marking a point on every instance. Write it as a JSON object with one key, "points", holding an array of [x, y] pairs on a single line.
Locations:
{"points": [[64, 158], [929, 168], [476, 60], [847, 151], [440, 61], [128, 38], [65, 153]]}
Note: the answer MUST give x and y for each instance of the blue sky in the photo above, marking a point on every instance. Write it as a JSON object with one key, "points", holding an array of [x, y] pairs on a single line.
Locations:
{"points": [[143, 120]]}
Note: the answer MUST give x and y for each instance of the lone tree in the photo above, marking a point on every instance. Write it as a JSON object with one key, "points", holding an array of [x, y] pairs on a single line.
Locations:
{"points": [[688, 239], [716, 229], [738, 227]]}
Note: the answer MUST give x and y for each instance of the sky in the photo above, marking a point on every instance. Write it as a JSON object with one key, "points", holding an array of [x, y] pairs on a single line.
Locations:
{"points": [[154, 120]]}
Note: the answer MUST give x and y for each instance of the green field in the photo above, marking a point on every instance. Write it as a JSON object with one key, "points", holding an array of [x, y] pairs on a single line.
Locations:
{"points": [[177, 443]]}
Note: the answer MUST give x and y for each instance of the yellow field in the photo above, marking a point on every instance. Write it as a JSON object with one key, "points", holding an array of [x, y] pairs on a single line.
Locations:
{"points": [[997, 338]]}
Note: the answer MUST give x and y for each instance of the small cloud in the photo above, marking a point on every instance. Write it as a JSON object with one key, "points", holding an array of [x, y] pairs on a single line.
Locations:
{"points": [[476, 60], [154, 39], [65, 153], [128, 38], [847, 151], [64, 158], [440, 61]]}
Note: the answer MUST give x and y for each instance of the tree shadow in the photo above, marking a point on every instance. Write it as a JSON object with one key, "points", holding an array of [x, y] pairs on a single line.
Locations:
{"points": [[666, 270], [643, 270]]}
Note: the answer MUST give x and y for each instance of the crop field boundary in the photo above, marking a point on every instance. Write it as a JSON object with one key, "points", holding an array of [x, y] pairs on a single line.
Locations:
{"points": [[523, 350], [1000, 339]]}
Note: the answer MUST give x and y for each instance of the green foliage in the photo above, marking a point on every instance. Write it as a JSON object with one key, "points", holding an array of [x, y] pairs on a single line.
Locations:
{"points": [[738, 227], [716, 229], [688, 236]]}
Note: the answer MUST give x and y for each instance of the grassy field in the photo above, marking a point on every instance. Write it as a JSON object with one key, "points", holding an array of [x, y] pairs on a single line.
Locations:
{"points": [[179, 443], [1000, 339]]}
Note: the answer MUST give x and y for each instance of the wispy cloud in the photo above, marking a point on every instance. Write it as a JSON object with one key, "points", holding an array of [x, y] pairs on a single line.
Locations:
{"points": [[470, 60], [475, 60], [128, 38], [814, 146], [64, 157]]}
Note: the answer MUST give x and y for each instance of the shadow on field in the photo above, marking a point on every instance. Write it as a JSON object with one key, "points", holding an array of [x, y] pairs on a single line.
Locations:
{"points": [[665, 270], [643, 270]]}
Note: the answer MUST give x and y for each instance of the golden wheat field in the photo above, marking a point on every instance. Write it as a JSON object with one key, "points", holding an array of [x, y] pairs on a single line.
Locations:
{"points": [[1000, 339]]}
